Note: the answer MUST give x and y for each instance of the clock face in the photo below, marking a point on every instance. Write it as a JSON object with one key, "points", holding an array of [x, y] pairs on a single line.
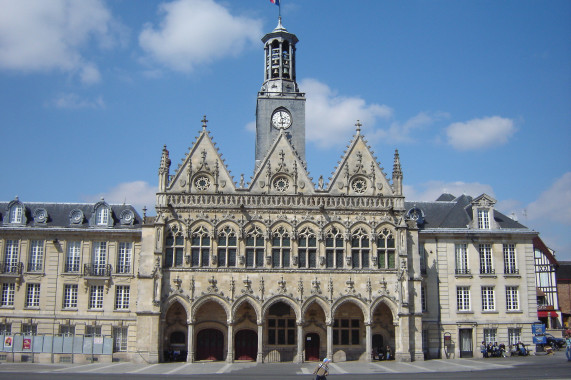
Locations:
{"points": [[281, 119]]}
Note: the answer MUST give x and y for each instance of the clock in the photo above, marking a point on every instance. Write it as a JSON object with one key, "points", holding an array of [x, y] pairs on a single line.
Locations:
{"points": [[281, 119]]}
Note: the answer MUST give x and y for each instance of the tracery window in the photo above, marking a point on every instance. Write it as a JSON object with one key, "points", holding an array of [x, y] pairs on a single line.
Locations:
{"points": [[174, 247], [227, 247], [200, 247], [255, 248], [334, 248], [281, 248], [386, 250], [307, 248], [360, 249]]}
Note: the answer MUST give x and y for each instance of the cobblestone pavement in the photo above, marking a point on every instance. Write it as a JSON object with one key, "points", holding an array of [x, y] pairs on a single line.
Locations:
{"points": [[243, 368]]}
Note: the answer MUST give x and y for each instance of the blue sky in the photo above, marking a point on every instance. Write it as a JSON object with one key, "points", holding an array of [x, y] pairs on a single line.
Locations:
{"points": [[476, 95]]}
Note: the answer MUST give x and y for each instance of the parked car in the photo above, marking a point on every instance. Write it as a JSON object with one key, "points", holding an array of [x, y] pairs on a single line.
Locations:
{"points": [[554, 342]]}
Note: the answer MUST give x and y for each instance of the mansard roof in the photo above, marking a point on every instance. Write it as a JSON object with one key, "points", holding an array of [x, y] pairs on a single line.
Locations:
{"points": [[71, 215], [447, 213]]}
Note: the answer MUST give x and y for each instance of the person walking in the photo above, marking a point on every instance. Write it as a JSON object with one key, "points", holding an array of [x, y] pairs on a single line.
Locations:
{"points": [[322, 370], [568, 350]]}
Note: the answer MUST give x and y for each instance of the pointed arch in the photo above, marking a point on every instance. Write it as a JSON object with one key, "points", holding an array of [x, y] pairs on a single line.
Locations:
{"points": [[247, 298], [207, 298], [391, 304], [281, 298], [360, 225], [319, 300], [351, 299], [171, 300]]}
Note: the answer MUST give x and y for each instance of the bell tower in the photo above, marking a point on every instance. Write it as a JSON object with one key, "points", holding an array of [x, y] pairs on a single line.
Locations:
{"points": [[280, 105]]}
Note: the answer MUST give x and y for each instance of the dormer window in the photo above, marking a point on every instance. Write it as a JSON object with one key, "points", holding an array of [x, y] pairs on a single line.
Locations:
{"points": [[483, 219], [102, 218], [16, 214]]}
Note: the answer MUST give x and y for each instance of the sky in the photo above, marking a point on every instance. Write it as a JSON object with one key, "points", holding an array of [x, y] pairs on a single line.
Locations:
{"points": [[475, 95]]}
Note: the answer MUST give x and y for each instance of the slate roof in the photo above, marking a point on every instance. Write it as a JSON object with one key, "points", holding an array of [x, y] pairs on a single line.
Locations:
{"points": [[59, 215], [449, 211]]}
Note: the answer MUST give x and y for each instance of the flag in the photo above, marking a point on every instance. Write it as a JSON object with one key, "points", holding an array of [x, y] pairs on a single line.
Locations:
{"points": [[276, 2]]}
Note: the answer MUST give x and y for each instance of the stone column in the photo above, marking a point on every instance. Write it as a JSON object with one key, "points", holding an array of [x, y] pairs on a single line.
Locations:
{"points": [[230, 353], [299, 356], [260, 356], [190, 343], [368, 342], [330, 340]]}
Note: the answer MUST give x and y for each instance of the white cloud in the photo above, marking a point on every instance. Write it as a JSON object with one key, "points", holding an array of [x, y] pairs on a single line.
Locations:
{"points": [[74, 101], [480, 133], [39, 35], [138, 193], [331, 118], [197, 31], [554, 204], [431, 190]]}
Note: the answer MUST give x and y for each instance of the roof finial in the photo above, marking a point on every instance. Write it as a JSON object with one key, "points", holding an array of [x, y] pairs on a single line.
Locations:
{"points": [[358, 125], [204, 121]]}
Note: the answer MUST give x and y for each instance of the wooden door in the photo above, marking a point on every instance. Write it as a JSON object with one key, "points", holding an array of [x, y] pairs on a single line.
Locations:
{"points": [[246, 345], [312, 347], [209, 345]]}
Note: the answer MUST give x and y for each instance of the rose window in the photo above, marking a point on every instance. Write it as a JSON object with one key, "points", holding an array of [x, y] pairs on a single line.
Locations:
{"points": [[202, 183], [359, 185], [281, 184]]}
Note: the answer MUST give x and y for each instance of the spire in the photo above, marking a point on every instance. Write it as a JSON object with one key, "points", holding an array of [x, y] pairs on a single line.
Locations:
{"points": [[204, 121], [397, 174], [358, 125], [164, 169]]}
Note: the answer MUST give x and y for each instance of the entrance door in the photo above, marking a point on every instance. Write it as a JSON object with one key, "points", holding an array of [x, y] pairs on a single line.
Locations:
{"points": [[378, 344], [312, 347], [246, 344], [466, 345], [209, 345]]}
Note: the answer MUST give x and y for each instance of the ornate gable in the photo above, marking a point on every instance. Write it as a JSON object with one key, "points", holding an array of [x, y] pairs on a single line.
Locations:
{"points": [[282, 171], [203, 170], [359, 173]]}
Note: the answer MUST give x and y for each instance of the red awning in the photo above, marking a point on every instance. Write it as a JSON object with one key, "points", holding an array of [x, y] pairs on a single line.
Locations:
{"points": [[545, 314]]}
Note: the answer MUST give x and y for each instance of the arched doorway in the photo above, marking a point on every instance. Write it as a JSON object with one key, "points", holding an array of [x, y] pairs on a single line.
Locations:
{"points": [[246, 345], [209, 345], [175, 334], [312, 347]]}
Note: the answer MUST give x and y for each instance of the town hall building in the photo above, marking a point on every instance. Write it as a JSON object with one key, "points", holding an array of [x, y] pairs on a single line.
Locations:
{"points": [[281, 267]]}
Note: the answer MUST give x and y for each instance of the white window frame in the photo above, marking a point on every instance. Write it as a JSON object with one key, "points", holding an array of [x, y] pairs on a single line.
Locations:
{"points": [[490, 335], [96, 297], [125, 257], [486, 259], [514, 335], [102, 216], [462, 259], [122, 295], [120, 335], [488, 298], [73, 256], [510, 262], [99, 257], [512, 298], [463, 302], [35, 262], [11, 256], [70, 292], [33, 295], [16, 213], [483, 219], [8, 293]]}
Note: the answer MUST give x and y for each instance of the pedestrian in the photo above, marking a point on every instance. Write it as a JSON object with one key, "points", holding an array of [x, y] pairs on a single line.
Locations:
{"points": [[322, 370], [568, 350]]}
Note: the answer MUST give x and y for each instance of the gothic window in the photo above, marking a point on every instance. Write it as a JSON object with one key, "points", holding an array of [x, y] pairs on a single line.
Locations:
{"points": [[281, 331], [174, 248], [200, 248], [334, 249], [359, 185], [227, 247], [306, 248], [386, 250], [202, 183], [281, 247], [346, 332], [281, 184], [254, 248], [360, 249]]}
